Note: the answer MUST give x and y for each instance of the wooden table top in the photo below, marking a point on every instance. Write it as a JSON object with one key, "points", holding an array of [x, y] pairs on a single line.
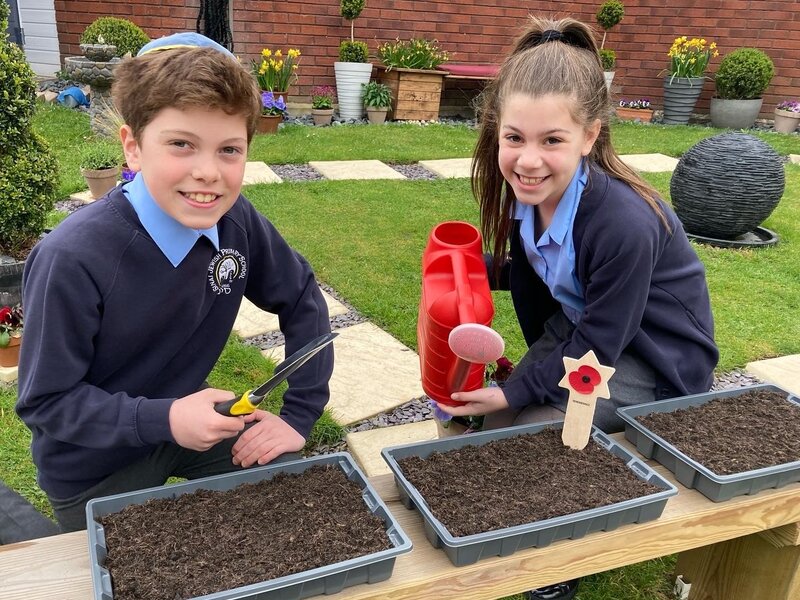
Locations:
{"points": [[58, 567]]}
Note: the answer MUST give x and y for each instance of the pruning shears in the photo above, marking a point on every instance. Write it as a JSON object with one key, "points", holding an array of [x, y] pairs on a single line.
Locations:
{"points": [[251, 398]]}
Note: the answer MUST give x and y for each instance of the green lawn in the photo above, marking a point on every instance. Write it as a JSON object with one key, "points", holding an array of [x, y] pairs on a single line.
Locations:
{"points": [[365, 239]]}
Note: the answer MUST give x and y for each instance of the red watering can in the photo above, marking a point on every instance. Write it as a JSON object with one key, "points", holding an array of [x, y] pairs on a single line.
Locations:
{"points": [[455, 313]]}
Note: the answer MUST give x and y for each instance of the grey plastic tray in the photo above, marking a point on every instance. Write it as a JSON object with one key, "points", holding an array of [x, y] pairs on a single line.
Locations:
{"points": [[691, 473], [465, 550], [329, 579]]}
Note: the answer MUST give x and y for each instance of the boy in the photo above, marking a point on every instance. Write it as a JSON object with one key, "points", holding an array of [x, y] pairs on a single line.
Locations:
{"points": [[130, 301]]}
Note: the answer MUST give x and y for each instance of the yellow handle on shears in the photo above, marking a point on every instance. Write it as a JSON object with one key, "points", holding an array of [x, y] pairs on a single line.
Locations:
{"points": [[232, 408]]}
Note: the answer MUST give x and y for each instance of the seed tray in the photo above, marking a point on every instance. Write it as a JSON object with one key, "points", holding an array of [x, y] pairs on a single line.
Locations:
{"points": [[468, 549], [688, 471], [328, 579]]}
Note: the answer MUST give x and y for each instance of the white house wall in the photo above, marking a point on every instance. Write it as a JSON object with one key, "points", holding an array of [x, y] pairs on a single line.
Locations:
{"points": [[38, 20]]}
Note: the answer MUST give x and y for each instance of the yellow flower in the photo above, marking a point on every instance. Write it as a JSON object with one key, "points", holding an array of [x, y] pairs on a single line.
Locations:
{"points": [[294, 52], [278, 53], [266, 53], [294, 67]]}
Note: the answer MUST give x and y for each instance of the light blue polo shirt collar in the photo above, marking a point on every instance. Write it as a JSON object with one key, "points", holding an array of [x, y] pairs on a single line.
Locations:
{"points": [[562, 217], [173, 239]]}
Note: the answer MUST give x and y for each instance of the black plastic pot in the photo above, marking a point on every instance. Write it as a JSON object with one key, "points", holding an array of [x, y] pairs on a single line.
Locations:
{"points": [[10, 280]]}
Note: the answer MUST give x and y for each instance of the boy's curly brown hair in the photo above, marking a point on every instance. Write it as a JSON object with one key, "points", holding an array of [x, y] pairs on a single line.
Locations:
{"points": [[184, 78]]}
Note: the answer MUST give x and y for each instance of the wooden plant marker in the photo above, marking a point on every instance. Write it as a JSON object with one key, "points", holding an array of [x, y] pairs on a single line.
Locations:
{"points": [[586, 380]]}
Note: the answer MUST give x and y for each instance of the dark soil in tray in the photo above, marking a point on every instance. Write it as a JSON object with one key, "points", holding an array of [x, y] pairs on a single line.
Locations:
{"points": [[519, 480], [732, 435], [209, 541]]}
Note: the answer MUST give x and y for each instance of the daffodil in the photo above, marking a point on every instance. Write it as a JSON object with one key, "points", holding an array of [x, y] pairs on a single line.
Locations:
{"points": [[276, 73]]}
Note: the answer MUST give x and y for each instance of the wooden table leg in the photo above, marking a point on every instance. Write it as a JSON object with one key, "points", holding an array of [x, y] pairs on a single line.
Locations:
{"points": [[764, 566]]}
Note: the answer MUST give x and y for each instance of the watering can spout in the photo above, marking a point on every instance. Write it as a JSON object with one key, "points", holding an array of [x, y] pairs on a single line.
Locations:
{"points": [[455, 292]]}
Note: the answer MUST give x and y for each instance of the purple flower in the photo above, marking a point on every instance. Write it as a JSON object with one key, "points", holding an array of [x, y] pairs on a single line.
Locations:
{"points": [[791, 106], [272, 106]]}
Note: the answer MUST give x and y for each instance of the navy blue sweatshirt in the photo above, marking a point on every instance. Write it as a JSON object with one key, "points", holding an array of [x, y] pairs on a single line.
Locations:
{"points": [[645, 292], [114, 333]]}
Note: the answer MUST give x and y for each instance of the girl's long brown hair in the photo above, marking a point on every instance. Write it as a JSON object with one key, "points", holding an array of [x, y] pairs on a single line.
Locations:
{"points": [[569, 66]]}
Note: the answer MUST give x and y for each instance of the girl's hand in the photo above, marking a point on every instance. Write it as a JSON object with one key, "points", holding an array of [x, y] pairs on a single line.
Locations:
{"points": [[479, 402]]}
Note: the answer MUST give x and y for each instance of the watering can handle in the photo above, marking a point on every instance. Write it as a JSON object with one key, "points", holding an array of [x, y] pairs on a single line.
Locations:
{"points": [[466, 306]]}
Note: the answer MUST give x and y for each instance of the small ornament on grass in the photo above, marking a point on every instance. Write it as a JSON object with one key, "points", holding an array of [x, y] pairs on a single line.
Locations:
{"points": [[586, 380]]}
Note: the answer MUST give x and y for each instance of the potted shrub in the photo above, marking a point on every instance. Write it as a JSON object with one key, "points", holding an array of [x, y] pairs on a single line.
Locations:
{"points": [[100, 166], [126, 36], [352, 70], [410, 70], [377, 100], [322, 104], [273, 109], [741, 79], [609, 15], [276, 72], [27, 167], [635, 110], [685, 77], [787, 116]]}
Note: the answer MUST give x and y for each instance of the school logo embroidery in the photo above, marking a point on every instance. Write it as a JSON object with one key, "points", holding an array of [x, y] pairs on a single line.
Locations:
{"points": [[227, 266]]}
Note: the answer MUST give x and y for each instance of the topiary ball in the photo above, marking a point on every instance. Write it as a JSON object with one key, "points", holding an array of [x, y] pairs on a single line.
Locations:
{"points": [[122, 33], [727, 185], [744, 74]]}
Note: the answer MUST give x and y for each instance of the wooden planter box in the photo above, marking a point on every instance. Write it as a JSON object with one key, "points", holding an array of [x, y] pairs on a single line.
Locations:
{"points": [[645, 115], [416, 93]]}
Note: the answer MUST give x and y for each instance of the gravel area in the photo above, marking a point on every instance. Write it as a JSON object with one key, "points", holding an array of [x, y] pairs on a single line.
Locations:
{"points": [[68, 206], [414, 171], [297, 172]]}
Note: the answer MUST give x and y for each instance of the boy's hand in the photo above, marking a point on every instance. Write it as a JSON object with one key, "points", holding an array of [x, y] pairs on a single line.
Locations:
{"points": [[196, 425], [266, 440], [478, 402]]}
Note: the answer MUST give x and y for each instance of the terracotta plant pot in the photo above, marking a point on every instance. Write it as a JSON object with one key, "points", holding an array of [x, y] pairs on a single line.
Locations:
{"points": [[100, 181], [269, 123], [645, 115], [322, 116], [377, 116], [786, 121], [9, 355]]}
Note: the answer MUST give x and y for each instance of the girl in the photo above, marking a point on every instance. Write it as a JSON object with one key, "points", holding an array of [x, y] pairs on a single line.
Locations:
{"points": [[596, 261], [593, 258]]}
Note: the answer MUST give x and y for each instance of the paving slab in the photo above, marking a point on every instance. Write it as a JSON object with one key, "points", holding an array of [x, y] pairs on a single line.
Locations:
{"points": [[256, 171], [449, 168], [783, 371], [251, 320], [372, 373], [650, 163], [8, 374], [355, 169], [366, 446], [794, 158]]}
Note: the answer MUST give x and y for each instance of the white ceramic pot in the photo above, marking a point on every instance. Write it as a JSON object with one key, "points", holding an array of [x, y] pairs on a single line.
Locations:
{"points": [[349, 78], [609, 75]]}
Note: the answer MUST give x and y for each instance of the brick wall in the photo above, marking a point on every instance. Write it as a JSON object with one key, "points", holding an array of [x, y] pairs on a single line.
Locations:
{"points": [[475, 33]]}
